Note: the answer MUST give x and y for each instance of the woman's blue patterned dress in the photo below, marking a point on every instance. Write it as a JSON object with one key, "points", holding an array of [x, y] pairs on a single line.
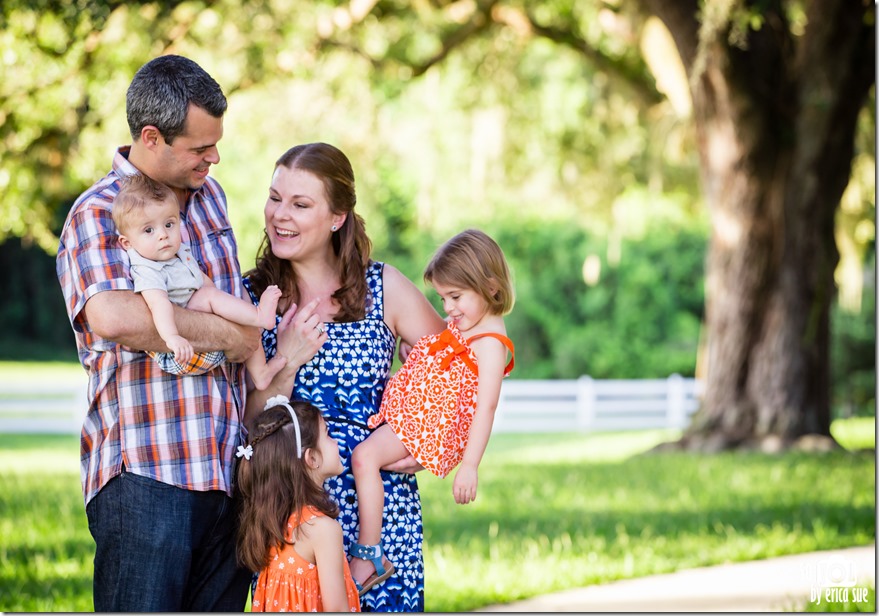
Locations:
{"points": [[346, 380]]}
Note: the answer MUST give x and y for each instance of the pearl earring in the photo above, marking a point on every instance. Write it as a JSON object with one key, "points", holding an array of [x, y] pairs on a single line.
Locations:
{"points": [[334, 227]]}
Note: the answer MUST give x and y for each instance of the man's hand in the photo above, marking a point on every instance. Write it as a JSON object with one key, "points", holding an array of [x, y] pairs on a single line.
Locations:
{"points": [[241, 343]]}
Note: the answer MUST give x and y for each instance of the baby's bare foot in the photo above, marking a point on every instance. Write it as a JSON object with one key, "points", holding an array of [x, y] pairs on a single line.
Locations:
{"points": [[268, 306], [261, 372]]}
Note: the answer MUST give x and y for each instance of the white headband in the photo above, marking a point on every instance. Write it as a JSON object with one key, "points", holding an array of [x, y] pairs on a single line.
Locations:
{"points": [[282, 400]]}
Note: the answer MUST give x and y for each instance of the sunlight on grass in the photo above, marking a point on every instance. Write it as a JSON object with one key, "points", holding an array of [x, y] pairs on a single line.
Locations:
{"points": [[49, 369], [30, 454], [554, 512], [574, 447], [855, 433]]}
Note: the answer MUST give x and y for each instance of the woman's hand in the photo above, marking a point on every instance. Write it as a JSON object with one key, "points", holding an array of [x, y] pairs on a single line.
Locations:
{"points": [[405, 465], [403, 352], [300, 334], [298, 341]]}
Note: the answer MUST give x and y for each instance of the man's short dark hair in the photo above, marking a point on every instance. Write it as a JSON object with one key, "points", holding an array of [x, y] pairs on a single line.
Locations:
{"points": [[163, 89]]}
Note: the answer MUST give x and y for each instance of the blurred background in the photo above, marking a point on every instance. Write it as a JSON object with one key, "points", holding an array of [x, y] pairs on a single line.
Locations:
{"points": [[685, 191], [565, 129]]}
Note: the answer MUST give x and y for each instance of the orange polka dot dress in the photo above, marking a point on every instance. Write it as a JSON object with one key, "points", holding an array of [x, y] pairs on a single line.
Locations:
{"points": [[430, 401], [290, 583]]}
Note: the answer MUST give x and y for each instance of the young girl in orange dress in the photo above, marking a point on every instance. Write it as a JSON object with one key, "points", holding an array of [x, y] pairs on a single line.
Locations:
{"points": [[288, 530], [439, 406]]}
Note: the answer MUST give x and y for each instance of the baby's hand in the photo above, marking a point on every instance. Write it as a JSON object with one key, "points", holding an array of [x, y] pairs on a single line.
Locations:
{"points": [[181, 348], [464, 487]]}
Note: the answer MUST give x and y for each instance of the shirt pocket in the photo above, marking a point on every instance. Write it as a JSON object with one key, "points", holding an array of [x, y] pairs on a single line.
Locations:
{"points": [[217, 254]]}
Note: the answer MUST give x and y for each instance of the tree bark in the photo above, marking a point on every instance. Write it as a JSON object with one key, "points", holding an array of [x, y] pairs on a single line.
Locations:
{"points": [[775, 118]]}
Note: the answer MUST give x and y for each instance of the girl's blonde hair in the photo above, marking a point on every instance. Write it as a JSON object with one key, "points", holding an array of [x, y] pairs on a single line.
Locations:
{"points": [[275, 482], [472, 260]]}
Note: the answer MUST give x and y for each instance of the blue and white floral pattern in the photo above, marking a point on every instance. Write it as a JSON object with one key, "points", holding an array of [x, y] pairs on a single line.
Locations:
{"points": [[346, 380]]}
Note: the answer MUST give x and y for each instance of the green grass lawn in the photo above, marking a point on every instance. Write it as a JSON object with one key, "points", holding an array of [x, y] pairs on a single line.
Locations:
{"points": [[29, 370], [553, 512]]}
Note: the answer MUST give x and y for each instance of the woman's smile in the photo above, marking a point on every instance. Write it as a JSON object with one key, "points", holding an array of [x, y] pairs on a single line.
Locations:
{"points": [[284, 233]]}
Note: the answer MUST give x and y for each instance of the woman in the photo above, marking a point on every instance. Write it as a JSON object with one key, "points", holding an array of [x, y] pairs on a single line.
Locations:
{"points": [[343, 314]]}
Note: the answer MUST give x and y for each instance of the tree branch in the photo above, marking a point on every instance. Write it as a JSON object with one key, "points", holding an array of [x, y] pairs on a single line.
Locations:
{"points": [[479, 21], [487, 13], [633, 74], [680, 17], [840, 37]]}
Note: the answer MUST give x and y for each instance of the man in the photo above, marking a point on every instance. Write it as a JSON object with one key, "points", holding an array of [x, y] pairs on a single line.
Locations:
{"points": [[157, 449]]}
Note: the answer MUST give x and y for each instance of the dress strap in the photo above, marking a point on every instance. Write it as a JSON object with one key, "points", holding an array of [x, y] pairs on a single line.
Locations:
{"points": [[505, 341], [306, 514], [375, 291]]}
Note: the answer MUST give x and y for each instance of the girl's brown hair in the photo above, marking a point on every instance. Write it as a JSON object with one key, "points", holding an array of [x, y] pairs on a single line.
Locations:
{"points": [[350, 243], [275, 482], [472, 260]]}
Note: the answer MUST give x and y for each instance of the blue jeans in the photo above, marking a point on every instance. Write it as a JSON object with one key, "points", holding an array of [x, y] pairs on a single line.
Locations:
{"points": [[160, 548]]}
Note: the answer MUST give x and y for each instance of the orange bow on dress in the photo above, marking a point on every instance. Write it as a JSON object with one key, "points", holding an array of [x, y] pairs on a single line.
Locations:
{"points": [[448, 340]]}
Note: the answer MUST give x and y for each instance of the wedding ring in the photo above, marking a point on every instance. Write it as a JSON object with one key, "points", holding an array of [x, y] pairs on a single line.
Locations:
{"points": [[319, 328]]}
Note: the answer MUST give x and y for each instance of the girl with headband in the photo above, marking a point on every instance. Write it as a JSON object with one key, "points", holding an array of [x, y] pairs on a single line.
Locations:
{"points": [[288, 531]]}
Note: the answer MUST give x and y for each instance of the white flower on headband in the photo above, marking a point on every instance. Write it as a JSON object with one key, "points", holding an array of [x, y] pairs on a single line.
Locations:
{"points": [[276, 401], [244, 452]]}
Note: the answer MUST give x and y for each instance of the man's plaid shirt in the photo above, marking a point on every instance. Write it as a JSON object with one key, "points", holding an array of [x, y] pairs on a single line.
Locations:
{"points": [[179, 430]]}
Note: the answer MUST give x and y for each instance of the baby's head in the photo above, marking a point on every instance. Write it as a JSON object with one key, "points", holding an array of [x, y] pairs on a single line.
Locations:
{"points": [[472, 260], [147, 217]]}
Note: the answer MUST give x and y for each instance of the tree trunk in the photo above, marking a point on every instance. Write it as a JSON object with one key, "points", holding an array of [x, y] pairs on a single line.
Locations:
{"points": [[775, 118]]}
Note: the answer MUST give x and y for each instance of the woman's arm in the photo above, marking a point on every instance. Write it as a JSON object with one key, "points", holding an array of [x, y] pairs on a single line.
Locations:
{"points": [[407, 311], [298, 341], [491, 355], [325, 536]]}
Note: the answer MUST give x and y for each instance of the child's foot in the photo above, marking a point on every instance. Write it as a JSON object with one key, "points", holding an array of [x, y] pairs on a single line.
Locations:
{"points": [[363, 572], [262, 374], [268, 307]]}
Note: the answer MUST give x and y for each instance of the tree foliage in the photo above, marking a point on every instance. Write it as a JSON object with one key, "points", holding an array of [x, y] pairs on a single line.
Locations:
{"points": [[565, 123]]}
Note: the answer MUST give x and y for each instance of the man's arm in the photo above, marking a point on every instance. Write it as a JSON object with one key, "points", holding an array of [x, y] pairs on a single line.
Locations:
{"points": [[123, 317]]}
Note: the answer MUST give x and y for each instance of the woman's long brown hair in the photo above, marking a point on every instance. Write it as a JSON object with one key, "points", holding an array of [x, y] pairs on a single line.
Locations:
{"points": [[275, 482], [350, 243]]}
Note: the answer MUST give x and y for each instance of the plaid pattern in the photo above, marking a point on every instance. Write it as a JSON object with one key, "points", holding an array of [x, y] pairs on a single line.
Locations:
{"points": [[182, 431], [198, 364]]}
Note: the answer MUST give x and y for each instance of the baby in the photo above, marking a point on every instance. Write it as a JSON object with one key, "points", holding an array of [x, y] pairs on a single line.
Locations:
{"points": [[165, 272]]}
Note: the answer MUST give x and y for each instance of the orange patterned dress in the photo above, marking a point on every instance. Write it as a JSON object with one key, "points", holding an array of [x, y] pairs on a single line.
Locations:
{"points": [[430, 401], [290, 583]]}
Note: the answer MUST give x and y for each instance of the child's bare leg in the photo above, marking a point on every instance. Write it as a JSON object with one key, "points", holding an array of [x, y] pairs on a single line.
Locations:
{"points": [[262, 372], [380, 448], [211, 299]]}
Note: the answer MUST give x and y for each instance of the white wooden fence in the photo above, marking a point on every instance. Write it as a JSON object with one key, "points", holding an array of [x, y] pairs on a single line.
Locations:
{"points": [[49, 405], [590, 405], [584, 404]]}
